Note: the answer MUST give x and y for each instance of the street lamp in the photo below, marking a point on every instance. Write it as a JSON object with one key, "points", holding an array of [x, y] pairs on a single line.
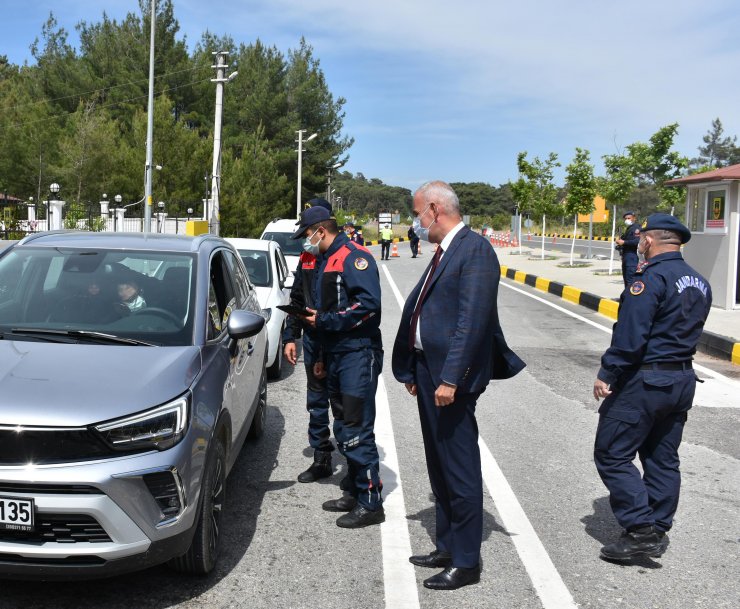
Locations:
{"points": [[54, 189], [160, 205], [300, 141], [328, 177], [190, 212]]}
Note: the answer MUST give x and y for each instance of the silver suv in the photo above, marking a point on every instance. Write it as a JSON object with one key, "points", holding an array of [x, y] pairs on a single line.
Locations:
{"points": [[132, 368]]}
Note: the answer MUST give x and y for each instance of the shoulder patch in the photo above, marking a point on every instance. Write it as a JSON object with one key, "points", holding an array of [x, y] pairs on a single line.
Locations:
{"points": [[637, 231], [637, 288], [361, 264]]}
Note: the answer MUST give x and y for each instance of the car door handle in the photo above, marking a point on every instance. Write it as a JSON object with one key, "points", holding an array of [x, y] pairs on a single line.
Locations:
{"points": [[250, 348]]}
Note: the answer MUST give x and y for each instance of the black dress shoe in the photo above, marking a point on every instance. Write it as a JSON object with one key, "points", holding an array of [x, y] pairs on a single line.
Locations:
{"points": [[453, 578], [361, 517], [644, 541], [436, 559], [346, 503]]}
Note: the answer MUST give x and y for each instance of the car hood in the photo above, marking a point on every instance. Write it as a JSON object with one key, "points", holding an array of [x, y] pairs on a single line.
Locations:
{"points": [[74, 385]]}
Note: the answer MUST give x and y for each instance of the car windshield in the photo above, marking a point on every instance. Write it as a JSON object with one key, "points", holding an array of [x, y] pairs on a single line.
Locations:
{"points": [[290, 247], [145, 296], [258, 267]]}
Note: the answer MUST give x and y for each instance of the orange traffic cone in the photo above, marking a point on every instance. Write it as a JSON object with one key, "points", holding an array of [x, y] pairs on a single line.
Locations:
{"points": [[394, 251]]}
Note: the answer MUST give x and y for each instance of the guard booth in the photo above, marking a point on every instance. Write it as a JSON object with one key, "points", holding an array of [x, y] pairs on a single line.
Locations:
{"points": [[713, 216]]}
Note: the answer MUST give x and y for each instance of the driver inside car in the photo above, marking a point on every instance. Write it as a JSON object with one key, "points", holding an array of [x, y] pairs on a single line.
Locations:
{"points": [[128, 292]]}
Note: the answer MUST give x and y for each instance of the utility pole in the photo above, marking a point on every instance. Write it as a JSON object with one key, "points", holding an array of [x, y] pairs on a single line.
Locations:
{"points": [[220, 67], [149, 127], [300, 141]]}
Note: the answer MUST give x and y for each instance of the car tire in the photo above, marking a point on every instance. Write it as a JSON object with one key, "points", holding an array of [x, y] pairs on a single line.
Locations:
{"points": [[260, 415], [274, 371], [203, 552]]}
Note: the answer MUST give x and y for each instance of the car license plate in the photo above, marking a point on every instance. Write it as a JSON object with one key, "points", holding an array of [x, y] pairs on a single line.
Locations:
{"points": [[16, 514]]}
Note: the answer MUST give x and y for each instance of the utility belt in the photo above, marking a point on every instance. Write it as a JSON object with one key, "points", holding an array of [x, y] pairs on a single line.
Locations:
{"points": [[668, 366]]}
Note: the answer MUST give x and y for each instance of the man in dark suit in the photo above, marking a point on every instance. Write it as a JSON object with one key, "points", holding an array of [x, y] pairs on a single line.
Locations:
{"points": [[448, 347]]}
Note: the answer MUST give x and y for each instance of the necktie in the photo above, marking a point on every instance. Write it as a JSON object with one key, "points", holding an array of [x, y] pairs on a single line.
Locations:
{"points": [[420, 301]]}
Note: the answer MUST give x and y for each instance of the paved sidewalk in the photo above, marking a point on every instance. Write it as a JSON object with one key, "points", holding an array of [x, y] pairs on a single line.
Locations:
{"points": [[722, 326]]}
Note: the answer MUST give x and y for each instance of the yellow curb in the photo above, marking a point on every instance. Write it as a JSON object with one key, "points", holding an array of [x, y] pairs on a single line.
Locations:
{"points": [[572, 294], [504, 269], [609, 308], [736, 354], [520, 276], [542, 284]]}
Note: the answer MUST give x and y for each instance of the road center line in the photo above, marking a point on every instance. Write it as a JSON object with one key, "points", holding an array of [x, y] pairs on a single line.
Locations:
{"points": [[545, 578]]}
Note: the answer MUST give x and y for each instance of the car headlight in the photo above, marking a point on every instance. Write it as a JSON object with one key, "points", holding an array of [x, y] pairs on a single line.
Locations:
{"points": [[267, 313], [159, 428]]}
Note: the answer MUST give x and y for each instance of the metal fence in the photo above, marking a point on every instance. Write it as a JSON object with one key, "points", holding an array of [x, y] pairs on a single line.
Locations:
{"points": [[15, 223]]}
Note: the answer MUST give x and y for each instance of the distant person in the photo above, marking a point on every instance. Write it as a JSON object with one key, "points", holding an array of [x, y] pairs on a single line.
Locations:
{"points": [[627, 248], [413, 242], [386, 236], [129, 293], [648, 381], [359, 239]]}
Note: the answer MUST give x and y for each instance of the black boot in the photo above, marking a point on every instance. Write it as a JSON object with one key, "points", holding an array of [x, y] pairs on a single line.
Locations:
{"points": [[641, 541], [320, 468]]}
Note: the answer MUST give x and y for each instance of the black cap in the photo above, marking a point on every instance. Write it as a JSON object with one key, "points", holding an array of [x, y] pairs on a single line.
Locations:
{"points": [[313, 215], [629, 213], [666, 222], [319, 202]]}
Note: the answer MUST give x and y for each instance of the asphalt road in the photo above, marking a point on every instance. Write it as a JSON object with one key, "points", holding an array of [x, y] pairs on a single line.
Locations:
{"points": [[546, 511]]}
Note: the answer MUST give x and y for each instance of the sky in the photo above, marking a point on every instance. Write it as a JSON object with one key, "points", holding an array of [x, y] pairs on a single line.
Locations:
{"points": [[454, 90]]}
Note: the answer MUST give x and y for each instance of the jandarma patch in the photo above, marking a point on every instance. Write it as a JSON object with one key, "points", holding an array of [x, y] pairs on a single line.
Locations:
{"points": [[361, 264], [637, 288]]}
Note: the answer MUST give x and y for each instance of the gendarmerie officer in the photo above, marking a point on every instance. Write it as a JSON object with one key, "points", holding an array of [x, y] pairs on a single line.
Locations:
{"points": [[627, 246], [348, 323], [648, 381], [303, 294]]}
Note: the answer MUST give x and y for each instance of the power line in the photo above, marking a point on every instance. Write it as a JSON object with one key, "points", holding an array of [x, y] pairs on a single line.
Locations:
{"points": [[111, 105], [84, 93]]}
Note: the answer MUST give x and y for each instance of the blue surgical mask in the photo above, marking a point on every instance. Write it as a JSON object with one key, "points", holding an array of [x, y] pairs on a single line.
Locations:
{"points": [[422, 232], [311, 248]]}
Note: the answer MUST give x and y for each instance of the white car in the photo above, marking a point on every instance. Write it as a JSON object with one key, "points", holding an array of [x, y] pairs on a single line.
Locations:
{"points": [[280, 231], [269, 274]]}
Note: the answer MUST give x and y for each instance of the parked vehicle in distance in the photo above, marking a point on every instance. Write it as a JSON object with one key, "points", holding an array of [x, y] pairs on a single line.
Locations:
{"points": [[280, 231], [132, 368], [268, 272]]}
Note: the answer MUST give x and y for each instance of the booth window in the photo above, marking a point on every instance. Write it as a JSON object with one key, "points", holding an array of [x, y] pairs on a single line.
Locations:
{"points": [[696, 211], [715, 211]]}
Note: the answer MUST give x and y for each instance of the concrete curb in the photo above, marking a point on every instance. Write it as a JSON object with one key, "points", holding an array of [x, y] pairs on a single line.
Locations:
{"points": [[709, 343]]}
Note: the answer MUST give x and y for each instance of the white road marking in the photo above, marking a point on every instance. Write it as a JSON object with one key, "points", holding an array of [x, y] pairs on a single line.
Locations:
{"points": [[719, 391], [547, 582], [399, 578]]}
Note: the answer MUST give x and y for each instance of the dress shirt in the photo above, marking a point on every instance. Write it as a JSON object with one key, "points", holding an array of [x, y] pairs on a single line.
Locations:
{"points": [[444, 245]]}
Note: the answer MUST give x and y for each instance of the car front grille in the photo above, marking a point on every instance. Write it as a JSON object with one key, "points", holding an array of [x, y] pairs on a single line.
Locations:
{"points": [[60, 528], [29, 445]]}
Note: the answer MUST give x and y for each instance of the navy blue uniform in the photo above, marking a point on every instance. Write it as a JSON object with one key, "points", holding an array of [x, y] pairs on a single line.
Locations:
{"points": [[348, 320], [303, 294], [648, 367], [631, 238]]}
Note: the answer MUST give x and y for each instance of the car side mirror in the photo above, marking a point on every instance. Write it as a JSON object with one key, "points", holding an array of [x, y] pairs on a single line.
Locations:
{"points": [[288, 282], [243, 324]]}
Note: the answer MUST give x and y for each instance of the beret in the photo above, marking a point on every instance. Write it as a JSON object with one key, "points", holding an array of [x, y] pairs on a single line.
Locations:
{"points": [[666, 222]]}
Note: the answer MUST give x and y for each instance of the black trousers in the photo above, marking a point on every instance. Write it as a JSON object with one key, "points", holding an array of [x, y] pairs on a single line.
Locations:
{"points": [[453, 462]]}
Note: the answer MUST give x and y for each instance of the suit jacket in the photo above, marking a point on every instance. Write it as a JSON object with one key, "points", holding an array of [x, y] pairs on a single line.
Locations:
{"points": [[459, 326]]}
